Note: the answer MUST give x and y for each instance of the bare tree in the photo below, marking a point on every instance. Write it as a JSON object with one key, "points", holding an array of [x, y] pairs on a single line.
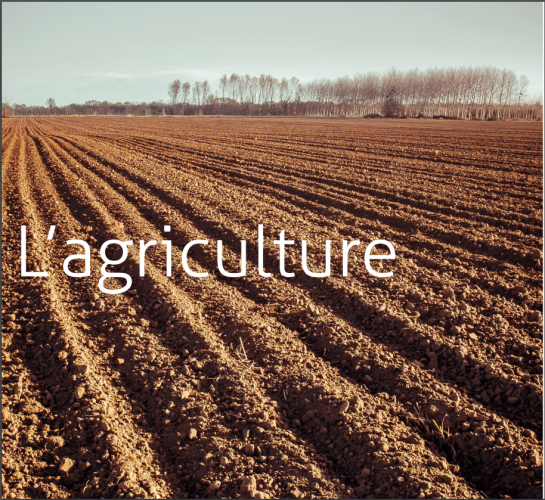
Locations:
{"points": [[492, 83], [254, 85], [205, 91], [243, 85], [282, 90], [262, 87], [522, 90], [286, 92], [223, 88], [293, 85], [186, 90], [502, 90], [50, 103], [233, 82], [6, 106], [174, 91], [197, 91], [271, 88]]}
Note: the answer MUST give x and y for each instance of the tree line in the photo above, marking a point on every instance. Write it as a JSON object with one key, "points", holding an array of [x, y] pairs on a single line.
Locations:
{"points": [[482, 93]]}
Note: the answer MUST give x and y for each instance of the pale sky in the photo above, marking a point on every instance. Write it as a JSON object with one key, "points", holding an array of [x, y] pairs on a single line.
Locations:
{"points": [[75, 52]]}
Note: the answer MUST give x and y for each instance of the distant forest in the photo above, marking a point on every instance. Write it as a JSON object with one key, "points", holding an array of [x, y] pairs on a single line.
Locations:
{"points": [[472, 93]]}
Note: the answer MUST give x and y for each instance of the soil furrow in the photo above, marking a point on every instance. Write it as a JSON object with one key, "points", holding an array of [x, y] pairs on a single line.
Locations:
{"points": [[427, 383], [506, 289], [232, 237], [267, 352], [348, 189], [427, 236], [214, 424], [379, 373], [73, 401], [334, 179]]}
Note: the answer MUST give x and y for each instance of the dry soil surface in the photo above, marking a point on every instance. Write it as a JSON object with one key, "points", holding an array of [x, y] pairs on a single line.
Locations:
{"points": [[425, 384]]}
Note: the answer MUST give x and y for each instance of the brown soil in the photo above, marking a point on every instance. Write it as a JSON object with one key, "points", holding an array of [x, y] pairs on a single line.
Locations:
{"points": [[426, 384]]}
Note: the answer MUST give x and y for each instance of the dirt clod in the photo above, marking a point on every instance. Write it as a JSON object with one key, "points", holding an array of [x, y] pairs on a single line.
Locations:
{"points": [[249, 485], [66, 465]]}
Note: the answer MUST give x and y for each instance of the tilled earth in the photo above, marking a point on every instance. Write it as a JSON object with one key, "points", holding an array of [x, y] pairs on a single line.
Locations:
{"points": [[425, 384]]}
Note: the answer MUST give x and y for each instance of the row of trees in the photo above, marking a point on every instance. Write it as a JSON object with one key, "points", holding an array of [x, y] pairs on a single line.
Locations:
{"points": [[89, 108], [236, 95], [458, 93]]}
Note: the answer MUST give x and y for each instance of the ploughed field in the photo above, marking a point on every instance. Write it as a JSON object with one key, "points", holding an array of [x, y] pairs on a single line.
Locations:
{"points": [[425, 384]]}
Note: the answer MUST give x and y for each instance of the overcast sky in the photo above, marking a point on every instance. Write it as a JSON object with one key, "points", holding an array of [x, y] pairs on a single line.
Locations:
{"points": [[76, 52]]}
